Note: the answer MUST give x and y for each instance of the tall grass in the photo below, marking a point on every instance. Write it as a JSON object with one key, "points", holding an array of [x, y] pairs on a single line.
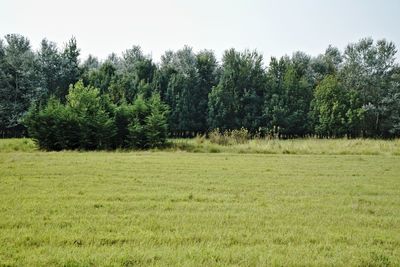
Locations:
{"points": [[200, 144], [294, 146]]}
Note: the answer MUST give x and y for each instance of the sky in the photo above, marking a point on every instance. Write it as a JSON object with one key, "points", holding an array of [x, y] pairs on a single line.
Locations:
{"points": [[272, 27]]}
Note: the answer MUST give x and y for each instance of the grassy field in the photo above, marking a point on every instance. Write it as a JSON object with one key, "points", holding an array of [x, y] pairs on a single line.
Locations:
{"points": [[297, 203]]}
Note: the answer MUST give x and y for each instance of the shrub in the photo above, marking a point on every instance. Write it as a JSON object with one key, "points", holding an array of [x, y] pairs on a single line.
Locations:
{"points": [[148, 128], [137, 137], [54, 127], [89, 121], [96, 126], [122, 120], [156, 122]]}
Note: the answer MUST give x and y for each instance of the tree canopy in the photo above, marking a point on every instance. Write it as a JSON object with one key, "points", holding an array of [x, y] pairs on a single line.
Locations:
{"points": [[354, 92]]}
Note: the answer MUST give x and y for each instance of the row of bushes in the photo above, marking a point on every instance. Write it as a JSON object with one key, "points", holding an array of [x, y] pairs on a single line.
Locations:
{"points": [[90, 121]]}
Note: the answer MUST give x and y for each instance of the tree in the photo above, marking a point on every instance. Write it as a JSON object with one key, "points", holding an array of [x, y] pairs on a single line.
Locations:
{"points": [[95, 124], [237, 99], [274, 112], [138, 72], [84, 122], [70, 71], [137, 131], [50, 69], [208, 74], [19, 83], [181, 86], [330, 107], [390, 106], [54, 126], [184, 81], [156, 122], [328, 63], [367, 74], [90, 121], [288, 100], [353, 93], [148, 123], [91, 63], [102, 77], [4, 89]]}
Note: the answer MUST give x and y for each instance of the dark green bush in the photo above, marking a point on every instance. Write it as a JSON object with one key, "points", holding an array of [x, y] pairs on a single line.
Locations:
{"points": [[46, 125], [96, 124], [122, 119], [89, 121], [148, 127], [156, 122]]}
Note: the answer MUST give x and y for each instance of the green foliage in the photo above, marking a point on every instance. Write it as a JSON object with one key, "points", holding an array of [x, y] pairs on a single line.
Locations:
{"points": [[44, 125], [70, 70], [330, 108], [123, 114], [50, 69], [156, 123], [137, 131], [82, 123], [390, 107], [148, 126], [96, 125], [327, 63], [288, 100], [353, 93], [18, 82], [185, 80], [237, 100], [88, 121], [101, 78], [368, 74]]}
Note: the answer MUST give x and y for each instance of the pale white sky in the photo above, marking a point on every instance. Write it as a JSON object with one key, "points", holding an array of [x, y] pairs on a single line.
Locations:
{"points": [[272, 27]]}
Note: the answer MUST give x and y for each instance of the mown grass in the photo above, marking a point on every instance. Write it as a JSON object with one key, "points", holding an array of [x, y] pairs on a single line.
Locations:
{"points": [[198, 209], [17, 144]]}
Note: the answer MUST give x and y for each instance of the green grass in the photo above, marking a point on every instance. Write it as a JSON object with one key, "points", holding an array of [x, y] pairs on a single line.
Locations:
{"points": [[294, 146], [15, 144], [257, 146], [201, 209]]}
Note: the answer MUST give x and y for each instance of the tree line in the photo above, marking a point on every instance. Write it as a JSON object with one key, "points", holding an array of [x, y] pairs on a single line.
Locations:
{"points": [[353, 93]]}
